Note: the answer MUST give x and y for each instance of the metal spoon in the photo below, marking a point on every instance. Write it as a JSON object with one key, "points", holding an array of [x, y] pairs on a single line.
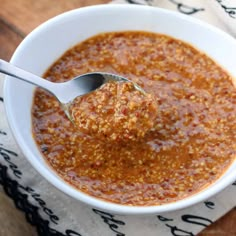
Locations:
{"points": [[67, 91]]}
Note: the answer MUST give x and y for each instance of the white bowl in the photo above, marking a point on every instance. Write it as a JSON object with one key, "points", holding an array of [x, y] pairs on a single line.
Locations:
{"points": [[50, 40]]}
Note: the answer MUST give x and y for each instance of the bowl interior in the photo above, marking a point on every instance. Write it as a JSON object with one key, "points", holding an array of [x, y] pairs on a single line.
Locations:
{"points": [[49, 41]]}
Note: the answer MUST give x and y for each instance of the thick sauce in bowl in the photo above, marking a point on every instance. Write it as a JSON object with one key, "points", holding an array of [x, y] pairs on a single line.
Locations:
{"points": [[191, 143]]}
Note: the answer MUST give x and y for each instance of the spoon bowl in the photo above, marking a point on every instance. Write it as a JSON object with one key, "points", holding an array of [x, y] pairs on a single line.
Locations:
{"points": [[65, 92]]}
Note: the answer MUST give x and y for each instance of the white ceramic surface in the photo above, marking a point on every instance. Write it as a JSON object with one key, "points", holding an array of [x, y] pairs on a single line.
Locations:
{"points": [[50, 40]]}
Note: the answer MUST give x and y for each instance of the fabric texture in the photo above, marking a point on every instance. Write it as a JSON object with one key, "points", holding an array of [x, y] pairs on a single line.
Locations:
{"points": [[54, 213]]}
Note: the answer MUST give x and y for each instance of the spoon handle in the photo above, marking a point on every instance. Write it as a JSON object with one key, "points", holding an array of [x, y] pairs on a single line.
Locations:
{"points": [[11, 70]]}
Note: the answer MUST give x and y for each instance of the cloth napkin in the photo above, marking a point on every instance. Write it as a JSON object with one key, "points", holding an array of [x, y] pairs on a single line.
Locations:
{"points": [[54, 213]]}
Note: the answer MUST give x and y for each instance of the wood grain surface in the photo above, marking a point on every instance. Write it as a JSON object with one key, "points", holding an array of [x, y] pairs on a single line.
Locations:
{"points": [[17, 19]]}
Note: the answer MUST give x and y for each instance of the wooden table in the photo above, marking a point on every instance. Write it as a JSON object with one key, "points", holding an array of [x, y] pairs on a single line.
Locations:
{"points": [[17, 19]]}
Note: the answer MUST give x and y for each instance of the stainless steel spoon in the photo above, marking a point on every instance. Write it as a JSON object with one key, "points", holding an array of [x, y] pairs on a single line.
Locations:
{"points": [[67, 91]]}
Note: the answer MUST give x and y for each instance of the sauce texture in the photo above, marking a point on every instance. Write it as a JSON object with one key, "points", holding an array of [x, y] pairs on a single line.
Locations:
{"points": [[116, 112], [191, 143]]}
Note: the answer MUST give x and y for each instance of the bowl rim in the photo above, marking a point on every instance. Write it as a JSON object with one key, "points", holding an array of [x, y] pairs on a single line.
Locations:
{"points": [[70, 190]]}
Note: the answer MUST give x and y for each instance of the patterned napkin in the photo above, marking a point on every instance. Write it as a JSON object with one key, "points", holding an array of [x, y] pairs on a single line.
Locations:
{"points": [[54, 213], [221, 13]]}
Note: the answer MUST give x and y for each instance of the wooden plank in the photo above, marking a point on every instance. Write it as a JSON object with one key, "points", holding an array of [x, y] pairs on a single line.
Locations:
{"points": [[9, 39], [223, 227], [27, 14], [13, 222]]}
